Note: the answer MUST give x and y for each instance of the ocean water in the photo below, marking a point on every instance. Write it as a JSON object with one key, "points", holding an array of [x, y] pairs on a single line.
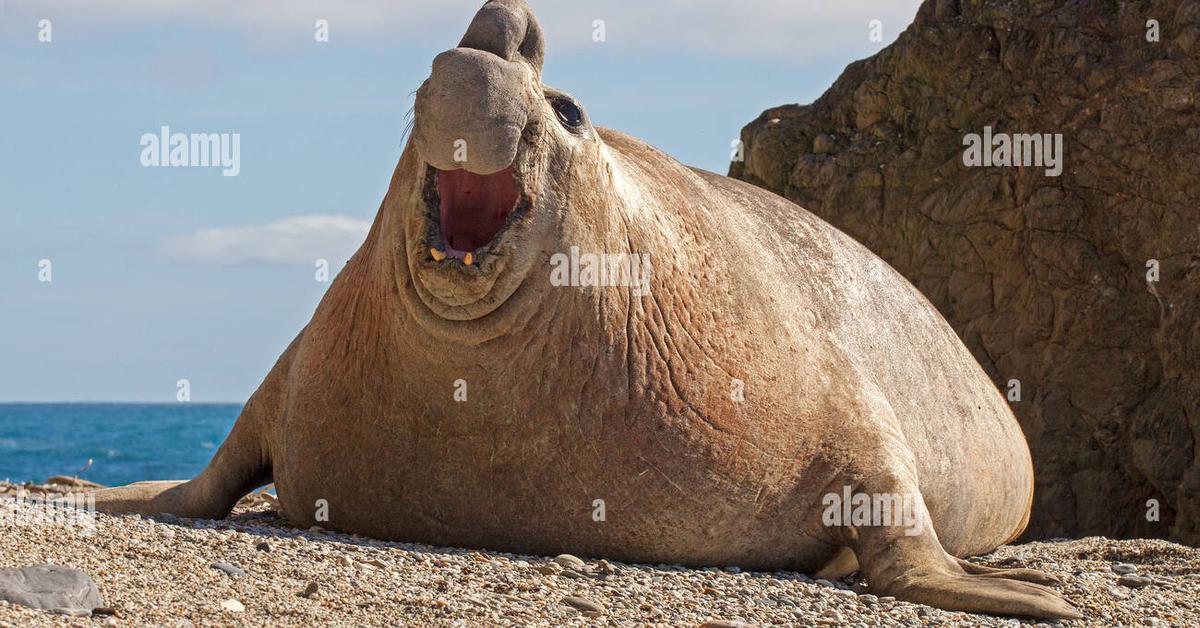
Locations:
{"points": [[126, 442]]}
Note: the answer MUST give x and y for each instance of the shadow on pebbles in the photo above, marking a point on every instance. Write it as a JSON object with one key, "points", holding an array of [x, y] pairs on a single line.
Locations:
{"points": [[253, 569]]}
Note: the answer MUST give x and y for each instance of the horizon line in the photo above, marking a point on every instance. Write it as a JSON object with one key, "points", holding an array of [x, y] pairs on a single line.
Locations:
{"points": [[125, 403]]}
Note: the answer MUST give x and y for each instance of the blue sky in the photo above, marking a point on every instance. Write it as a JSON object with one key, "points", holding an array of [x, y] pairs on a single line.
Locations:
{"points": [[161, 274]]}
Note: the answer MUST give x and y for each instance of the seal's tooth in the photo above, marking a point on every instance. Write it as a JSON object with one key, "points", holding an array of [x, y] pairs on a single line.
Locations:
{"points": [[437, 255], [468, 259]]}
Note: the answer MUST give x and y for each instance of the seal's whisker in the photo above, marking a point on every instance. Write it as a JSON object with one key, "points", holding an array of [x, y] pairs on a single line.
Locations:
{"points": [[409, 121]]}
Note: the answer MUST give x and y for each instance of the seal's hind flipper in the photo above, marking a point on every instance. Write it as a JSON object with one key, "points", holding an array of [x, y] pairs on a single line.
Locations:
{"points": [[841, 565]]}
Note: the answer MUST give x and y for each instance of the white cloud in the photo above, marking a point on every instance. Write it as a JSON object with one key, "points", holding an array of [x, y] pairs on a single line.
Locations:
{"points": [[293, 241], [789, 29]]}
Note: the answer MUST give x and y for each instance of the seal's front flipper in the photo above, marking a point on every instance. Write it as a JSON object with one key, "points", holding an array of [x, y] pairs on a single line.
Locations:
{"points": [[242, 464], [910, 564], [981, 594], [237, 468], [144, 498]]}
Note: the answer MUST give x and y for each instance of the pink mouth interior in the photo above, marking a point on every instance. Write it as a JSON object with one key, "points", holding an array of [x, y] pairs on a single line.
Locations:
{"points": [[474, 208]]}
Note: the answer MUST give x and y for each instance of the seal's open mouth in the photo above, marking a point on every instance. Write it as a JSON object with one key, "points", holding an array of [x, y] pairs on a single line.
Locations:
{"points": [[472, 211], [473, 208]]}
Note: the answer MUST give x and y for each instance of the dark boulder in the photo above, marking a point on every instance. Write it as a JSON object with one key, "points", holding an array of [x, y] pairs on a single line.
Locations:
{"points": [[1044, 277]]}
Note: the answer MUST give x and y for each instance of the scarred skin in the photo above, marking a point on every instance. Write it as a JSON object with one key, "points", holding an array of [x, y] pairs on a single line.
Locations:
{"points": [[577, 394]]}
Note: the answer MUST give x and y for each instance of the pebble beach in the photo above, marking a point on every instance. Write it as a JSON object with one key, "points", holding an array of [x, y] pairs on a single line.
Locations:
{"points": [[253, 569]]}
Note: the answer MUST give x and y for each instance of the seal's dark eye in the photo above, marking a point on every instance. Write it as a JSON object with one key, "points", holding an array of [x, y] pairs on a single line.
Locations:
{"points": [[568, 112]]}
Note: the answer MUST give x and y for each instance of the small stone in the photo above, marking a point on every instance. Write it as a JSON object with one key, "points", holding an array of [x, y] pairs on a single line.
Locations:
{"points": [[568, 561], [548, 569], [868, 599], [924, 611], [232, 570], [846, 593], [52, 588], [233, 606], [1134, 582], [263, 546], [724, 623], [312, 590], [345, 561], [571, 573], [825, 583], [582, 605], [1124, 568]]}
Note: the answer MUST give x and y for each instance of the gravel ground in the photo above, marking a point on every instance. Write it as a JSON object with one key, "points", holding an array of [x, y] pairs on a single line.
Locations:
{"points": [[161, 573]]}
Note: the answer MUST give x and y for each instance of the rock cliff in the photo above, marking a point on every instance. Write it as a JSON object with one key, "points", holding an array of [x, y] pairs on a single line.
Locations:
{"points": [[1084, 287]]}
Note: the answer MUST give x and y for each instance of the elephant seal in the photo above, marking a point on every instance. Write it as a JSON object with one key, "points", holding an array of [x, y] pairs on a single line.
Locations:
{"points": [[557, 338]]}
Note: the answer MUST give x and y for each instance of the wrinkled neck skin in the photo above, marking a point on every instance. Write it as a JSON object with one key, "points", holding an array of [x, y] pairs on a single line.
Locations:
{"points": [[579, 205], [586, 198]]}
